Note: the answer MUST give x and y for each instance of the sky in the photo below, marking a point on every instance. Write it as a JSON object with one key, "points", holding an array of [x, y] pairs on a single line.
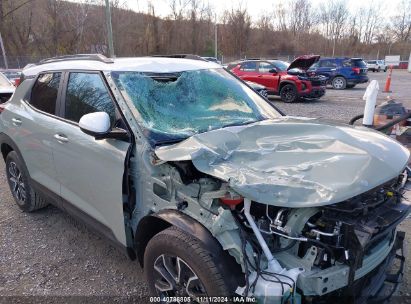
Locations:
{"points": [[255, 7]]}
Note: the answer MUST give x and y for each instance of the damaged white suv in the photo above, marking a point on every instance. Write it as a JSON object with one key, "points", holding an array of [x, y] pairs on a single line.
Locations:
{"points": [[213, 190]]}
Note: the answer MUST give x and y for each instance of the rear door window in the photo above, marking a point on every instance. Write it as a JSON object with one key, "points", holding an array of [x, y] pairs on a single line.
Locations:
{"points": [[249, 66], [45, 91], [86, 93]]}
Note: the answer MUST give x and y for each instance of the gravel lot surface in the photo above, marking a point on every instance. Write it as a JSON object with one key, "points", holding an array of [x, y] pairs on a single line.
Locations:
{"points": [[47, 253], [342, 105]]}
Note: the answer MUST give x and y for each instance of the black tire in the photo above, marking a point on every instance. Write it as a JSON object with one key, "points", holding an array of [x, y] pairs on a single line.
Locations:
{"points": [[350, 86], [289, 93], [18, 179], [175, 247], [339, 83]]}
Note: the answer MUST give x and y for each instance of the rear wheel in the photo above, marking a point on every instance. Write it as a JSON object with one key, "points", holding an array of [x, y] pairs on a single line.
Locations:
{"points": [[179, 265], [19, 184], [339, 83], [288, 93]]}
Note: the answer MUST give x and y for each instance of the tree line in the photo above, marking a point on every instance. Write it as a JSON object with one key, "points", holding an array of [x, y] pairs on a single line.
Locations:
{"points": [[35, 29]]}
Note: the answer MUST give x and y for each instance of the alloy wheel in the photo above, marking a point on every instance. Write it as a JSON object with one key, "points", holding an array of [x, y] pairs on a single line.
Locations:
{"points": [[338, 83], [17, 184], [174, 278], [288, 94]]}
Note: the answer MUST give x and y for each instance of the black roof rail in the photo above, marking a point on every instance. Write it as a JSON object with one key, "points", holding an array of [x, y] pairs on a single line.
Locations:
{"points": [[95, 57]]}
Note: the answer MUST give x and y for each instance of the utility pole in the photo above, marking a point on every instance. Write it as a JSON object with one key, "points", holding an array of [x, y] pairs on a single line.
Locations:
{"points": [[109, 30], [3, 50], [215, 38]]}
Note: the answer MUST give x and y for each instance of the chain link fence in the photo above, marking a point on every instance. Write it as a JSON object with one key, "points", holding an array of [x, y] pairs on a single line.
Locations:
{"points": [[19, 62]]}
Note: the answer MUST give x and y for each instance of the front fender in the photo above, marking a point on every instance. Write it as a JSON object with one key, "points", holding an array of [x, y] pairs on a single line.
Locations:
{"points": [[154, 223]]}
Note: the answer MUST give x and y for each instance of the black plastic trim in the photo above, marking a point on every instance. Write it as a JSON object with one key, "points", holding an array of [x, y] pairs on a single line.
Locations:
{"points": [[156, 222]]}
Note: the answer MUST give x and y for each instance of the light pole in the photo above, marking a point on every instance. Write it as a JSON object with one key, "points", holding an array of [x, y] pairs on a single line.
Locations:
{"points": [[335, 38], [109, 30], [3, 50], [215, 38]]}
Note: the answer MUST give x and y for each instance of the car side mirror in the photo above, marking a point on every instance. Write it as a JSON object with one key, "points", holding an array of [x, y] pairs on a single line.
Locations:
{"points": [[98, 124], [272, 71]]}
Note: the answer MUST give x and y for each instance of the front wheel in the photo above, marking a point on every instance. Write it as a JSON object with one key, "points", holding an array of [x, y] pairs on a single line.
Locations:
{"points": [[178, 265], [339, 83], [288, 93]]}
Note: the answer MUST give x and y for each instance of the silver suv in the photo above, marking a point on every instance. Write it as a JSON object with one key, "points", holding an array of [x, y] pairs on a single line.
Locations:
{"points": [[376, 65], [213, 190]]}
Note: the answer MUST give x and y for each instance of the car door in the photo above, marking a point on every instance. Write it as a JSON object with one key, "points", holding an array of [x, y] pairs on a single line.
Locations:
{"points": [[267, 79], [326, 68], [31, 124], [248, 71], [90, 171]]}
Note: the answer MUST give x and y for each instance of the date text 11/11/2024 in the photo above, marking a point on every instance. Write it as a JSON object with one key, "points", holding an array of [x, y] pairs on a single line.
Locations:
{"points": [[176, 299]]}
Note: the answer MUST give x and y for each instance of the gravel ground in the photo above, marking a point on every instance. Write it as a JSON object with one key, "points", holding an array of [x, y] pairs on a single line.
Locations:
{"points": [[47, 253]]}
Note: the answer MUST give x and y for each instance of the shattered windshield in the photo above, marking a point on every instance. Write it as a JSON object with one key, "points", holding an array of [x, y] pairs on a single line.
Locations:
{"points": [[174, 106]]}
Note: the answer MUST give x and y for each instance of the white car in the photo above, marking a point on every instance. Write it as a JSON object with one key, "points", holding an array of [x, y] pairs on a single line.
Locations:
{"points": [[376, 65], [6, 88]]}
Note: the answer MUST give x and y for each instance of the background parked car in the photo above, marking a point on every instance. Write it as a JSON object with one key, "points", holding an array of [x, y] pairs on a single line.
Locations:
{"points": [[376, 65], [6, 88], [212, 59], [289, 81], [341, 72], [13, 75]]}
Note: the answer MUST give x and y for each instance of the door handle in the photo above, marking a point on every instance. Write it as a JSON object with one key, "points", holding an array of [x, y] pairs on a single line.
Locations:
{"points": [[61, 138], [16, 121], [259, 76]]}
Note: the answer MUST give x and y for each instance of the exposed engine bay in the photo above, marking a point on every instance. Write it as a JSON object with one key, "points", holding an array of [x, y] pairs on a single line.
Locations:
{"points": [[316, 80], [275, 203], [321, 238], [293, 253]]}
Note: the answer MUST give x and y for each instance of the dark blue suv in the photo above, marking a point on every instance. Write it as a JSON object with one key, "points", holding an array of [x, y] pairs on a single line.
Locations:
{"points": [[341, 72]]}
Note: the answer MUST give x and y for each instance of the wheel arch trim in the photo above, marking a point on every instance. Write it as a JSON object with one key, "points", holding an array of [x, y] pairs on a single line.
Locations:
{"points": [[6, 140], [285, 82], [152, 224]]}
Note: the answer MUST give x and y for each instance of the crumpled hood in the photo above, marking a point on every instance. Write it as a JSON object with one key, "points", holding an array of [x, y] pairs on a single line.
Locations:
{"points": [[293, 162], [303, 62]]}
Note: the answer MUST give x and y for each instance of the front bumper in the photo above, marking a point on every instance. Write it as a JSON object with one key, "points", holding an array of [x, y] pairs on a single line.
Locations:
{"points": [[378, 285], [314, 93]]}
